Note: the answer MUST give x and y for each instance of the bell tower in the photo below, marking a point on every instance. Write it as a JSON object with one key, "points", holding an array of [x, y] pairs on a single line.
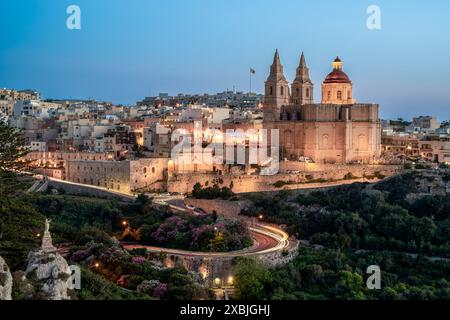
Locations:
{"points": [[276, 91], [302, 87]]}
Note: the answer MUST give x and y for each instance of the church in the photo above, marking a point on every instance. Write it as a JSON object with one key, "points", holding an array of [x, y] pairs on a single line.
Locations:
{"points": [[337, 130]]}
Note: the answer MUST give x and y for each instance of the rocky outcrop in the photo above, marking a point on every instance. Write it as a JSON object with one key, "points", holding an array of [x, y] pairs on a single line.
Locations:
{"points": [[49, 274], [48, 271], [5, 281]]}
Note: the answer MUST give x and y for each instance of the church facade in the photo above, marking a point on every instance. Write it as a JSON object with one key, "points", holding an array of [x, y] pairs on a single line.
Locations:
{"points": [[337, 130]]}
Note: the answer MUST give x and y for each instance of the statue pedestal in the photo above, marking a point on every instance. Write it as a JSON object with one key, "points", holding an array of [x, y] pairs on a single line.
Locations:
{"points": [[47, 245]]}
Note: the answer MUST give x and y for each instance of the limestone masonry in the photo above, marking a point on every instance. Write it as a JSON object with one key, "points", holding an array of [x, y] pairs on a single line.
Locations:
{"points": [[338, 130]]}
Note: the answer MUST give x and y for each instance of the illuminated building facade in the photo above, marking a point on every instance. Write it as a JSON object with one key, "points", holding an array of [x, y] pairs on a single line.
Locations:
{"points": [[338, 130]]}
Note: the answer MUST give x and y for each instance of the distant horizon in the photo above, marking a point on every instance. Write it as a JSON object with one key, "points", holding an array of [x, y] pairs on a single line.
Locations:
{"points": [[43, 97], [126, 51]]}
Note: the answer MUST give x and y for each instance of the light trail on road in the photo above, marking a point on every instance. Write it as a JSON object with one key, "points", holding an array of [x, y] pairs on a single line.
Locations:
{"points": [[267, 239]]}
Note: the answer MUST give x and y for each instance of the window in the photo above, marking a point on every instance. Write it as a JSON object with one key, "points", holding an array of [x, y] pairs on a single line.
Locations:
{"points": [[349, 95], [282, 91], [339, 95], [297, 92], [271, 90], [153, 169], [307, 92], [329, 95]]}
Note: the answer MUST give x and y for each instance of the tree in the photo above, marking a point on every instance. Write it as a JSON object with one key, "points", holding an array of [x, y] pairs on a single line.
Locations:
{"points": [[197, 189], [252, 279], [218, 243], [138, 150], [350, 286], [12, 150]]}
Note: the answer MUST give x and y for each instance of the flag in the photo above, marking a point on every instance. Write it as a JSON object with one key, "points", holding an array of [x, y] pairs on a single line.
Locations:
{"points": [[252, 71]]}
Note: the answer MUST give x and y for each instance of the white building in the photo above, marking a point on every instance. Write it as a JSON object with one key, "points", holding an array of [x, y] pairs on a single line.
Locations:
{"points": [[38, 146], [27, 108]]}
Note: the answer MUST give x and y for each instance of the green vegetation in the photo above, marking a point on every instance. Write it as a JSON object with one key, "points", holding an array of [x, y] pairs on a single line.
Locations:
{"points": [[214, 192], [253, 280], [354, 226], [12, 149]]}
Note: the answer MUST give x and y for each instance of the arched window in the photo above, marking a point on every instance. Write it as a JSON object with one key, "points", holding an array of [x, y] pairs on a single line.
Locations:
{"points": [[339, 95], [297, 92], [282, 91], [271, 90], [307, 92]]}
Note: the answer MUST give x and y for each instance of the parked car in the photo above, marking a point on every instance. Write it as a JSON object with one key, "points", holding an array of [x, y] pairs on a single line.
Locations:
{"points": [[305, 159]]}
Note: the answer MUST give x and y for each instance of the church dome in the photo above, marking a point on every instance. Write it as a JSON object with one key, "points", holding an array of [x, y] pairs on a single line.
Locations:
{"points": [[337, 75]]}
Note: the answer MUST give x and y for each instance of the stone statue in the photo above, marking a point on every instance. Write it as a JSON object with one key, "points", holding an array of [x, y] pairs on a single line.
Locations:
{"points": [[47, 245], [49, 270], [47, 225]]}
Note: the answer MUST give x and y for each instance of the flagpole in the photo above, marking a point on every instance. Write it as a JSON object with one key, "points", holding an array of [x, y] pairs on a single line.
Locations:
{"points": [[250, 72]]}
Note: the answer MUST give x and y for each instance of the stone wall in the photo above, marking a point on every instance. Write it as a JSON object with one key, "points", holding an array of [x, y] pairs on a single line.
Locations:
{"points": [[229, 209], [218, 271], [122, 176], [84, 190], [308, 176], [280, 258]]}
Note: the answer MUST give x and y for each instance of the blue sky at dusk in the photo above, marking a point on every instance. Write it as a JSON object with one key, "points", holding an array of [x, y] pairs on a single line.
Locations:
{"points": [[129, 49]]}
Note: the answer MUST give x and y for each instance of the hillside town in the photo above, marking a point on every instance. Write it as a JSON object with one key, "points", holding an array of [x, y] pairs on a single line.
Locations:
{"points": [[129, 148]]}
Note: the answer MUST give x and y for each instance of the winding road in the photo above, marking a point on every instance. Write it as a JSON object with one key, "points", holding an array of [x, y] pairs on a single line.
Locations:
{"points": [[266, 239]]}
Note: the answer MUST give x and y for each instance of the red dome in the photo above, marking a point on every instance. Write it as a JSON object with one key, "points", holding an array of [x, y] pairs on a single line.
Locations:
{"points": [[337, 76]]}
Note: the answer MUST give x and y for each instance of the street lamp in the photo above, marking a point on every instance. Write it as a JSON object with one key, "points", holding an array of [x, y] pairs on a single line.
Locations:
{"points": [[124, 223], [260, 217]]}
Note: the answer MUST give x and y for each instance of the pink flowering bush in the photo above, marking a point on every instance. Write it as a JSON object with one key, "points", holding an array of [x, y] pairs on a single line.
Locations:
{"points": [[138, 260], [160, 291]]}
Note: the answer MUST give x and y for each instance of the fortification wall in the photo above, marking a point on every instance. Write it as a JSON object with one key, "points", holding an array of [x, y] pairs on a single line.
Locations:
{"points": [[300, 176], [85, 190]]}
